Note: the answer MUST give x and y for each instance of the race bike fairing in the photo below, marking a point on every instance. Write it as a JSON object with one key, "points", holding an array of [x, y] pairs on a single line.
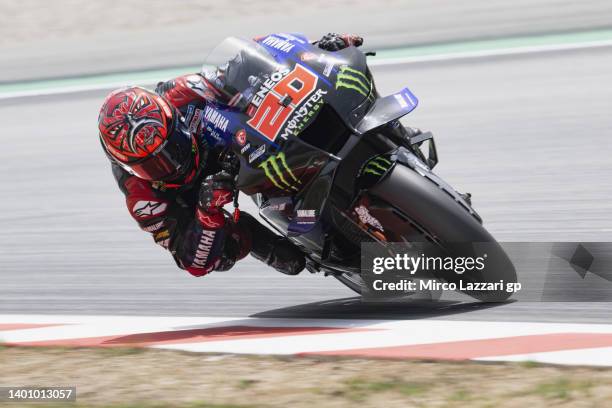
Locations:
{"points": [[236, 68]]}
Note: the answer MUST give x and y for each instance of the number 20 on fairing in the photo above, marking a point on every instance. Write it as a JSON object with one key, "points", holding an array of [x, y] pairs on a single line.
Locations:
{"points": [[271, 114]]}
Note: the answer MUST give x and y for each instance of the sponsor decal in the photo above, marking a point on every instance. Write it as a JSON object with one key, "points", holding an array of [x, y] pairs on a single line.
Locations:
{"points": [[278, 172], [189, 114], [159, 236], [245, 148], [216, 119], [204, 247], [256, 153], [291, 37], [197, 85], [277, 43], [276, 101], [251, 110], [222, 198], [400, 100], [406, 99], [309, 56], [278, 207], [194, 125], [366, 218], [153, 227], [148, 208], [328, 67], [355, 80], [306, 216], [240, 137], [208, 220], [303, 115], [214, 134], [268, 85], [377, 166]]}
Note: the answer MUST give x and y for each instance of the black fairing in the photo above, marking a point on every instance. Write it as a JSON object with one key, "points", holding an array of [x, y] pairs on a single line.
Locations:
{"points": [[307, 174]]}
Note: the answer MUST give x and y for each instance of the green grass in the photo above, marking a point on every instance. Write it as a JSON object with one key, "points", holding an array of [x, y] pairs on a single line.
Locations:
{"points": [[121, 351], [460, 395], [246, 383], [562, 388], [189, 405], [358, 389], [529, 364]]}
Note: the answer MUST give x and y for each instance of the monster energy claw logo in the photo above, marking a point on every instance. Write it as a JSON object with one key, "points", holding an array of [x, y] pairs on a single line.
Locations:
{"points": [[353, 79], [279, 173], [377, 166]]}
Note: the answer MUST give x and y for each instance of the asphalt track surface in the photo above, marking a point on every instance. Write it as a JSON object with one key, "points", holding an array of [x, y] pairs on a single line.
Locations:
{"points": [[70, 38], [529, 136]]}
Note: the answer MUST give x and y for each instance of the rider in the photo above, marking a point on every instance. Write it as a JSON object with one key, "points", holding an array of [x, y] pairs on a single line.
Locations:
{"points": [[176, 187]]}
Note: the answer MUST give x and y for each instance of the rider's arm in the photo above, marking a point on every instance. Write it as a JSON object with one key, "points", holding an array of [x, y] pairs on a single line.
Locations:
{"points": [[184, 90], [208, 241], [336, 42], [149, 208], [200, 240]]}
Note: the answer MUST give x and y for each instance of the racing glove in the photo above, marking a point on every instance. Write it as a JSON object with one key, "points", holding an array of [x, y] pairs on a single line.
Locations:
{"points": [[336, 42], [216, 191]]}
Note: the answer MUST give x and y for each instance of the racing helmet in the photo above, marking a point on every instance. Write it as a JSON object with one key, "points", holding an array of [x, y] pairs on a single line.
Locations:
{"points": [[145, 135]]}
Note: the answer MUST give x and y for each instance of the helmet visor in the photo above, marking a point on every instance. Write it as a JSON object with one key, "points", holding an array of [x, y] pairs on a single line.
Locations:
{"points": [[171, 161]]}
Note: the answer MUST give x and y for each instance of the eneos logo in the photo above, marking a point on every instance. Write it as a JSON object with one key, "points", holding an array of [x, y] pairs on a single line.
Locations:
{"points": [[281, 100]]}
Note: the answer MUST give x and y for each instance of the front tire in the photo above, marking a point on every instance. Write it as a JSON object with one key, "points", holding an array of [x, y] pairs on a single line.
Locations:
{"points": [[352, 281], [419, 200]]}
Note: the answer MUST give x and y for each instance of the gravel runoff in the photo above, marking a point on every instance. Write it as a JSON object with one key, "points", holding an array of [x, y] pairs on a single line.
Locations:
{"points": [[131, 377]]}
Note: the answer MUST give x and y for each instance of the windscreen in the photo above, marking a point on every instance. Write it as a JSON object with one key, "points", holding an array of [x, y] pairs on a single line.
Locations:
{"points": [[236, 68]]}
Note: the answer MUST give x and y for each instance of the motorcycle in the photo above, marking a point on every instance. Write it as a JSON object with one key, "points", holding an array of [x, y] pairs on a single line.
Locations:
{"points": [[326, 159]]}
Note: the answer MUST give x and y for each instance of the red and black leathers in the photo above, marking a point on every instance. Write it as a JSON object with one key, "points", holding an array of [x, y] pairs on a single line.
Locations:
{"points": [[199, 235]]}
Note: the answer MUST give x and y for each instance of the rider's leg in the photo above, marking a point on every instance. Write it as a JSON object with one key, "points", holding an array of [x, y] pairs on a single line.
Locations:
{"points": [[272, 249]]}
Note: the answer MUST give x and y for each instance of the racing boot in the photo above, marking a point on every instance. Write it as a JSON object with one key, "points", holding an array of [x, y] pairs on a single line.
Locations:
{"points": [[272, 249]]}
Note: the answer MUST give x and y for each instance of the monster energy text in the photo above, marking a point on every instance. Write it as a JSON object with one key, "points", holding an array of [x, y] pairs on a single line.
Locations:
{"points": [[279, 173], [302, 115], [350, 78]]}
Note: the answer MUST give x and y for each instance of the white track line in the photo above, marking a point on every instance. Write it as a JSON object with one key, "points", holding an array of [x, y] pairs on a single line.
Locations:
{"points": [[370, 334], [72, 89], [492, 53], [593, 357]]}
